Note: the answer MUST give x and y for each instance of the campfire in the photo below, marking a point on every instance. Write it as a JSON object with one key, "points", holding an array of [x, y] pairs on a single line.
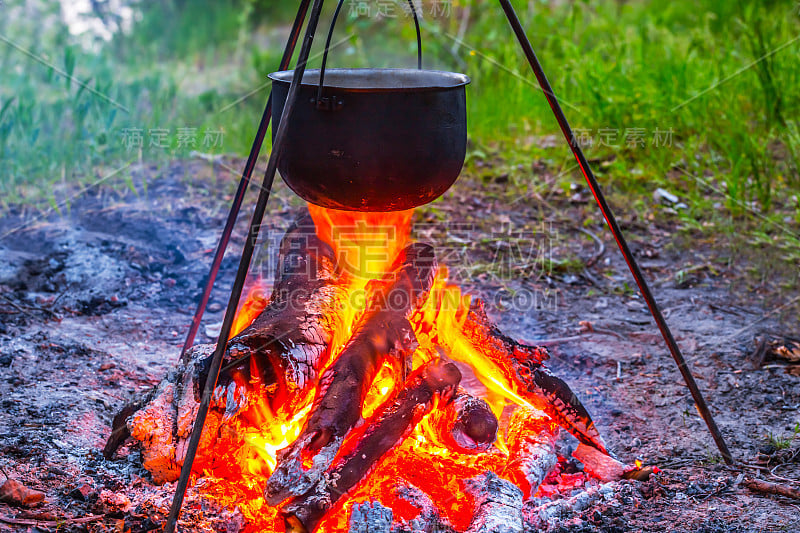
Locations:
{"points": [[368, 393]]}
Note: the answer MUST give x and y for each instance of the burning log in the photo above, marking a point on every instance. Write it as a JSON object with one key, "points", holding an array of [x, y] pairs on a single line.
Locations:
{"points": [[383, 332], [333, 447], [392, 423], [467, 425], [162, 421], [153, 426], [280, 354], [498, 505], [601, 466], [282, 351], [522, 366], [532, 446]]}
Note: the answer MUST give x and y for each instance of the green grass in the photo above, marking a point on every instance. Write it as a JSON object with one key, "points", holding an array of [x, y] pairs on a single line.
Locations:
{"points": [[700, 97], [779, 442]]}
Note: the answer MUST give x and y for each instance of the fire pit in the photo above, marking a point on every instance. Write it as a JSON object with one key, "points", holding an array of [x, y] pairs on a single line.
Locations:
{"points": [[369, 390], [354, 362]]}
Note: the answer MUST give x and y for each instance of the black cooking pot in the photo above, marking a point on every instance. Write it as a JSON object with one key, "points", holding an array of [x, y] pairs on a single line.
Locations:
{"points": [[374, 139]]}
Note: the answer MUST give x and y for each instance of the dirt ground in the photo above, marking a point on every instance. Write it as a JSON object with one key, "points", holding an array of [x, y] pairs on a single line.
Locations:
{"points": [[95, 301]]}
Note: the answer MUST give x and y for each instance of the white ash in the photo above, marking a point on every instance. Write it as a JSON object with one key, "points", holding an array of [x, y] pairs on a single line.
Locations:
{"points": [[370, 517], [548, 515]]}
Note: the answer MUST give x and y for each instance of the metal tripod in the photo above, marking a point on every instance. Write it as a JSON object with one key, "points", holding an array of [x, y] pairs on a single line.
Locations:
{"points": [[260, 208]]}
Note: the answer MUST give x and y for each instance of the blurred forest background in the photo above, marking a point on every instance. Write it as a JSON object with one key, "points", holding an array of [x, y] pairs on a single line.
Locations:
{"points": [[698, 97]]}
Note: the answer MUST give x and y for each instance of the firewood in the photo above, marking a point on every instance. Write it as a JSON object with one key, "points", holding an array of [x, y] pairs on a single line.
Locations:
{"points": [[642, 473], [152, 426], [374, 517], [498, 505], [119, 425], [278, 357], [467, 425], [387, 428], [522, 366], [765, 487], [294, 331], [163, 425], [599, 465], [383, 332], [60, 523], [531, 441]]}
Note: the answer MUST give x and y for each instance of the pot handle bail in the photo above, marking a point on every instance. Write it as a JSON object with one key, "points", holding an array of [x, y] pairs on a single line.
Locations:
{"points": [[320, 102]]}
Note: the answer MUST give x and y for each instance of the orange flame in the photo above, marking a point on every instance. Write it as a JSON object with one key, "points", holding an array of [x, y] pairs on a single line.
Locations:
{"points": [[249, 310], [366, 245]]}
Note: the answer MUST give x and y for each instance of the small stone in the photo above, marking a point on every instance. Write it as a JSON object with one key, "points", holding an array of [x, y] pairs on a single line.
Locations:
{"points": [[82, 493], [212, 330], [106, 366], [664, 196], [15, 493]]}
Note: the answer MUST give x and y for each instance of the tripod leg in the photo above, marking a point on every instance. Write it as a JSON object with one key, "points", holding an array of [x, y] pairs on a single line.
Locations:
{"points": [[244, 266], [702, 407], [246, 174]]}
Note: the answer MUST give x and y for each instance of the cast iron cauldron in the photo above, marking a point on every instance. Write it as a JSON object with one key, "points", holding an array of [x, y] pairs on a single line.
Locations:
{"points": [[376, 139]]}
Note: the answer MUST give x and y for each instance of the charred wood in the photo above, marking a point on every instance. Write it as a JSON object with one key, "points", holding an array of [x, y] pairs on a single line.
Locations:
{"points": [[537, 385], [390, 426], [532, 445], [467, 425], [599, 465], [119, 425], [765, 487], [162, 422], [373, 517], [279, 356], [498, 505], [383, 332], [15, 493]]}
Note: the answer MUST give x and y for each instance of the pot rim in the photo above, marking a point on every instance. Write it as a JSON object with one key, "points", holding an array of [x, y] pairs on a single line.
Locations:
{"points": [[378, 80]]}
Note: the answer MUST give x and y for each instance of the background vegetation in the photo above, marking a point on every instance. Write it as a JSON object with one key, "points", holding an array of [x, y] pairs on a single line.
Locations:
{"points": [[700, 97]]}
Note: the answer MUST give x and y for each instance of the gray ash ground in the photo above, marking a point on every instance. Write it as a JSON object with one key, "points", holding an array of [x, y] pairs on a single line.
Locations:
{"points": [[95, 302]]}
